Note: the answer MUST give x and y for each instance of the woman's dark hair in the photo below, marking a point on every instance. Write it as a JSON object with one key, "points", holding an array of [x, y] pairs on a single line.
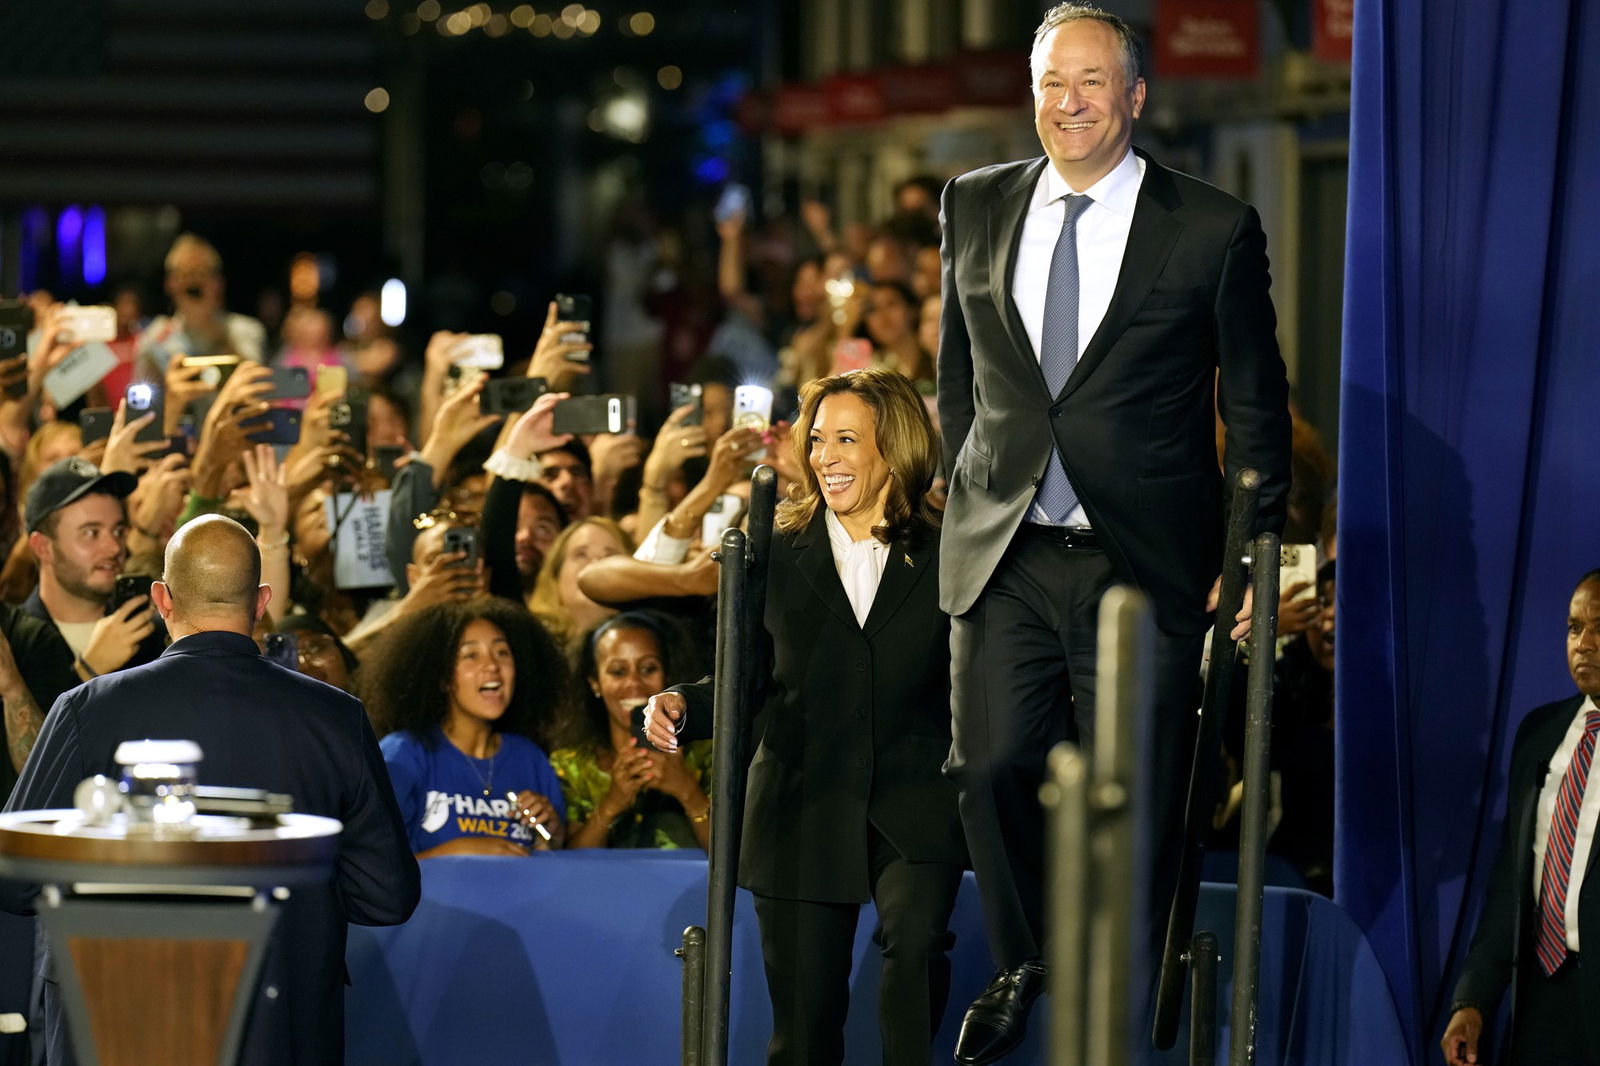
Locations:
{"points": [[900, 289], [405, 679], [383, 392], [586, 723]]}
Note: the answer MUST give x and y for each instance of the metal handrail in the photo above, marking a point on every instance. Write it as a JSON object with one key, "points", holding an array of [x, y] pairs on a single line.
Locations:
{"points": [[1243, 502]]}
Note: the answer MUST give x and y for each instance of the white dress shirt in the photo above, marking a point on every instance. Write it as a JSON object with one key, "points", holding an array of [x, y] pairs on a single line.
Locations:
{"points": [[860, 565], [1588, 813], [1102, 238]]}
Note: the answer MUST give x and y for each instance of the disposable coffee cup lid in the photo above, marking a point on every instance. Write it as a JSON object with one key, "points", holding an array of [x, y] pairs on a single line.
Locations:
{"points": [[131, 752]]}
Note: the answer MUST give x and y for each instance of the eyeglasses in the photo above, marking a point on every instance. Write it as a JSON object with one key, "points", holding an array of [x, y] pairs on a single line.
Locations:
{"points": [[315, 647]]}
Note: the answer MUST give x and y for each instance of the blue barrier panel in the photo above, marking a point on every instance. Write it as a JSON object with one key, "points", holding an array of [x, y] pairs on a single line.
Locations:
{"points": [[566, 958]]}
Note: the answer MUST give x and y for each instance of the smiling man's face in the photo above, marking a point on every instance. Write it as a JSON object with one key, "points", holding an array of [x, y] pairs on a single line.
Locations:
{"points": [[1083, 106]]}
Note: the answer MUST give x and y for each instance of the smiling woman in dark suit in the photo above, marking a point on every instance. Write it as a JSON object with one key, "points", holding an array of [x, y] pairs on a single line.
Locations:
{"points": [[846, 801]]}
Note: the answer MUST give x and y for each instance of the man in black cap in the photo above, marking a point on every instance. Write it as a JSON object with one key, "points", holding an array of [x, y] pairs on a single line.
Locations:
{"points": [[77, 522]]}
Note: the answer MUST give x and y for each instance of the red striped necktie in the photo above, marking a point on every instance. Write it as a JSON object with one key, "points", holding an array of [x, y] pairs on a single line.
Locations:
{"points": [[1551, 944]]}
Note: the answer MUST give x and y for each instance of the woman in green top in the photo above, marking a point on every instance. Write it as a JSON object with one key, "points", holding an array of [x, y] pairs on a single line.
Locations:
{"points": [[621, 793]]}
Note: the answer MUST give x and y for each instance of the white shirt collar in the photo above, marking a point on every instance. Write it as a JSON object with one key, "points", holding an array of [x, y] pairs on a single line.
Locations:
{"points": [[1117, 191], [839, 538]]}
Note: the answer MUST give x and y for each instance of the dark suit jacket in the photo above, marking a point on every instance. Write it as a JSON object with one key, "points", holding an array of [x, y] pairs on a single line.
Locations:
{"points": [[1506, 926], [1134, 423], [259, 726], [855, 726]]}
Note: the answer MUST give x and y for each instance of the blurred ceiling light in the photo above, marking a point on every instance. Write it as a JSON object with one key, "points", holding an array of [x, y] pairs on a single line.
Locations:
{"points": [[477, 15], [669, 77], [497, 26], [522, 16], [460, 23], [392, 303], [642, 23], [377, 9], [589, 23], [428, 10], [562, 29], [541, 26], [377, 100], [626, 116], [572, 13]]}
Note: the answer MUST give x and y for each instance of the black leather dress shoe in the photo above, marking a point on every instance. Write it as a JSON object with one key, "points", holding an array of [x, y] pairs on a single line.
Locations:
{"points": [[997, 1019]]}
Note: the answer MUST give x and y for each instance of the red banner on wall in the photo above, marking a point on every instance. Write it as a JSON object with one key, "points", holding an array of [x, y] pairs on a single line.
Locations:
{"points": [[797, 108], [918, 90], [997, 78], [1333, 30], [855, 98], [1207, 38]]}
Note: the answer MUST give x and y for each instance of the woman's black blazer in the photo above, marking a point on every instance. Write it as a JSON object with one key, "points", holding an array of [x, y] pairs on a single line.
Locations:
{"points": [[855, 724]]}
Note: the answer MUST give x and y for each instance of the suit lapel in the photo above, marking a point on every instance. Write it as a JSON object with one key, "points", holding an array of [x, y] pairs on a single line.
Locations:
{"points": [[1150, 240], [814, 558], [906, 567], [1005, 237]]}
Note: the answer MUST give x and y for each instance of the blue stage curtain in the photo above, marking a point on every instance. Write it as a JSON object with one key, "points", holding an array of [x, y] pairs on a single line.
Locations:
{"points": [[1469, 447]]}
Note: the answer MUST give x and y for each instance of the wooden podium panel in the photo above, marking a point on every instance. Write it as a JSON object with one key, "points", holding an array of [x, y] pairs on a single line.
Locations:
{"points": [[177, 1010]]}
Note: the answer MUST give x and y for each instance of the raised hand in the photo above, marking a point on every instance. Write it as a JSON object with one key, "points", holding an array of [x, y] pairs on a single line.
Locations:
{"points": [[267, 490], [122, 452], [550, 355], [116, 637]]}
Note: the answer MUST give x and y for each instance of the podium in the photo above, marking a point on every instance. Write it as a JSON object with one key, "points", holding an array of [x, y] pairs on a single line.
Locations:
{"points": [[158, 940]]}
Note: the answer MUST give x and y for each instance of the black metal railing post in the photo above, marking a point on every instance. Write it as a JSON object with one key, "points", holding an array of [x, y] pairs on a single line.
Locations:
{"points": [[741, 602], [1253, 818], [693, 954], [1203, 999]]}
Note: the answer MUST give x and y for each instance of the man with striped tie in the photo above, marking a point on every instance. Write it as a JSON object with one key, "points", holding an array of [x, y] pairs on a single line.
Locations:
{"points": [[1544, 891]]}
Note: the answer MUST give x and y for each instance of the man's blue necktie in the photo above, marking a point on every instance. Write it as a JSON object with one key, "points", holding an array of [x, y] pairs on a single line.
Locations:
{"points": [[1058, 349]]}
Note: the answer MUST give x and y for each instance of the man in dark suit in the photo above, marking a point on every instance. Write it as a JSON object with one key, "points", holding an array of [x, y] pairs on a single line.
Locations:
{"points": [[259, 726], [1096, 305], [1544, 889]]}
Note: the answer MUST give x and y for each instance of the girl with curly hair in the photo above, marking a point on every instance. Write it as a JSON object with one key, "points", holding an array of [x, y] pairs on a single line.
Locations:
{"points": [[458, 692]]}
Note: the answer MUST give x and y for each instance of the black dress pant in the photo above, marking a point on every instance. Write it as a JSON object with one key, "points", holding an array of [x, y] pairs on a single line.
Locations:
{"points": [[807, 948], [1023, 674]]}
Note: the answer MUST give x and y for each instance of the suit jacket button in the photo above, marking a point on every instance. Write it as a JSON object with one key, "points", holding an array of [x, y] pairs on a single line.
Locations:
{"points": [[861, 712], [862, 762], [1055, 412], [861, 665]]}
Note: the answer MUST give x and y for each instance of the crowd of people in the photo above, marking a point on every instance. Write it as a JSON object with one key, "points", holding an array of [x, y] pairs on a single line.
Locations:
{"points": [[568, 531]]}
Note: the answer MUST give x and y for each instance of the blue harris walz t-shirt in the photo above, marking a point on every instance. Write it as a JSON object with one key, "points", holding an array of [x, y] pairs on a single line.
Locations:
{"points": [[440, 790]]}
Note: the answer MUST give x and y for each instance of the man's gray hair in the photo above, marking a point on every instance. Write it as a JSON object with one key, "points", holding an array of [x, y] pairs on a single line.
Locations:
{"points": [[1127, 40]]}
